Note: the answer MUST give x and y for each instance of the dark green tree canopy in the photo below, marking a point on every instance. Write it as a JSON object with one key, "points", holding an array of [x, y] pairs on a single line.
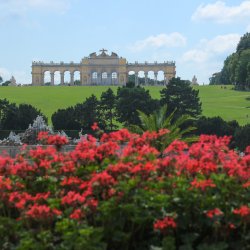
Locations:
{"points": [[17, 117], [107, 108], [244, 43], [179, 95], [236, 69], [129, 100]]}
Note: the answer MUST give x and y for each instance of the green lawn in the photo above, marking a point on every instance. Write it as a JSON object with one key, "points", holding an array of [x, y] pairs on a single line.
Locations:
{"points": [[216, 101]]}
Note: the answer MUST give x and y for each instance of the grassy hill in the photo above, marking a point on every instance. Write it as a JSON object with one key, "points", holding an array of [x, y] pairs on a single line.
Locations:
{"points": [[216, 100]]}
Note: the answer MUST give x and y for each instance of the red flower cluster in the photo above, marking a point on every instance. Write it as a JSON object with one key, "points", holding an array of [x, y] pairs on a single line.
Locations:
{"points": [[214, 212], [126, 170], [166, 223]]}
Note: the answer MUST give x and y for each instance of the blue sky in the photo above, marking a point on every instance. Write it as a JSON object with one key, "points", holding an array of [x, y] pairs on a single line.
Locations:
{"points": [[197, 35]]}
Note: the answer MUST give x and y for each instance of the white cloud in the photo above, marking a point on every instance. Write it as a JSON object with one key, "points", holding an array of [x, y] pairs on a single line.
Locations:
{"points": [[248, 28], [221, 13], [208, 49], [174, 39], [19, 8]]}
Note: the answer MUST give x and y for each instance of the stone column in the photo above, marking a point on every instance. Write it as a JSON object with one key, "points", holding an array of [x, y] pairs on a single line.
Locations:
{"points": [[81, 78], [155, 79], [136, 79], [71, 78], [146, 78], [62, 78], [52, 77]]}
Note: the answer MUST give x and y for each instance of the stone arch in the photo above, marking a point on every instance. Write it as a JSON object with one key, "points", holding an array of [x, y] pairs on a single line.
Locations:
{"points": [[94, 77], [131, 76], [160, 77], [151, 77], [57, 77], [77, 77], [47, 77], [141, 77], [66, 77], [114, 78]]}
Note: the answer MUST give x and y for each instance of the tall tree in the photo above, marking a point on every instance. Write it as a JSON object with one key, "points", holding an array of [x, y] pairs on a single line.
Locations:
{"points": [[65, 119], [129, 100], [88, 112], [1, 79], [107, 107], [180, 96]]}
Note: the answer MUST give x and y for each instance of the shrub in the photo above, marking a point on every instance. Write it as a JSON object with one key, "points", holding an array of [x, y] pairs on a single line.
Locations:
{"points": [[117, 193]]}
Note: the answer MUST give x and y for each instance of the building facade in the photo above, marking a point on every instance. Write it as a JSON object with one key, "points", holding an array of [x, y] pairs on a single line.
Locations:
{"points": [[100, 69]]}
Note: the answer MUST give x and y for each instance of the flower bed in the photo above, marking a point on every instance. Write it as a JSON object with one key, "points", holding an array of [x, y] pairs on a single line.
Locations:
{"points": [[109, 196]]}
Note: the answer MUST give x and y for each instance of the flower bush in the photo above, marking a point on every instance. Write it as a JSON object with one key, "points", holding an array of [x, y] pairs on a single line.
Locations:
{"points": [[122, 193]]}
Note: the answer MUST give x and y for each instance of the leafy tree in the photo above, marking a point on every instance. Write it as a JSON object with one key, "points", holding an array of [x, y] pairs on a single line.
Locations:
{"points": [[7, 83], [129, 100], [27, 114], [70, 123], [242, 137], [107, 107], [215, 126], [179, 95], [244, 43], [88, 112], [159, 120], [236, 69], [17, 117], [1, 79]]}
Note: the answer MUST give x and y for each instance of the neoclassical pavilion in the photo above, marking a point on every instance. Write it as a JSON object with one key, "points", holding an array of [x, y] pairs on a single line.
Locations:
{"points": [[100, 69]]}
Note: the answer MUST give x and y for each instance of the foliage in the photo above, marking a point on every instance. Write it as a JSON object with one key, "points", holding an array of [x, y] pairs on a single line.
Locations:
{"points": [[1, 79], [215, 126], [107, 108], [236, 69], [216, 100], [120, 194], [129, 100], [244, 43], [158, 121], [65, 119], [17, 117], [180, 96], [242, 137]]}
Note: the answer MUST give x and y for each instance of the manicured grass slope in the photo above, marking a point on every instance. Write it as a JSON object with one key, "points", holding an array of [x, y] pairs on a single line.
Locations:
{"points": [[216, 101]]}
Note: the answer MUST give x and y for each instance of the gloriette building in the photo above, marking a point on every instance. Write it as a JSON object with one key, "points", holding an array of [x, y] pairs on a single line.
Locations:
{"points": [[101, 69]]}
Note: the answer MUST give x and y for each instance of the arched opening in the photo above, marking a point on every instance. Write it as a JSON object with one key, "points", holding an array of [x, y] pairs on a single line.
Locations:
{"points": [[160, 78], [94, 78], [141, 78], [151, 78], [104, 78], [131, 76], [47, 78], [67, 78], [57, 78], [114, 78], [77, 78]]}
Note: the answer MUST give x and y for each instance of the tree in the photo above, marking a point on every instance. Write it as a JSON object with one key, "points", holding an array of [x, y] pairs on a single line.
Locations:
{"points": [[129, 100], [60, 123], [236, 68], [17, 117], [1, 79], [242, 137], [215, 126], [88, 112], [179, 95], [244, 42], [107, 107], [159, 120], [27, 114]]}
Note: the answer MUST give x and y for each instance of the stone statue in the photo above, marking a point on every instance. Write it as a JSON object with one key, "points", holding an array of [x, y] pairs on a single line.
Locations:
{"points": [[194, 81], [13, 81]]}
